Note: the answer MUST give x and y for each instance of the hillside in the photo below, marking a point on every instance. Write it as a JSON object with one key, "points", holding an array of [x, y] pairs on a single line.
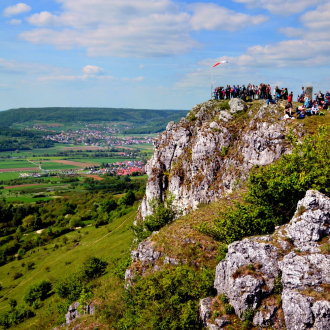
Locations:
{"points": [[148, 121], [226, 172]]}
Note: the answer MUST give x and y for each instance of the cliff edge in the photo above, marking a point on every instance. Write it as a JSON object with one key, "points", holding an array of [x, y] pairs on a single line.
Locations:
{"points": [[210, 152]]}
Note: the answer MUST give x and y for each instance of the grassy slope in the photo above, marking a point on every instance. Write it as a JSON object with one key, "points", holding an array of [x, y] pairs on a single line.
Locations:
{"points": [[110, 242]]}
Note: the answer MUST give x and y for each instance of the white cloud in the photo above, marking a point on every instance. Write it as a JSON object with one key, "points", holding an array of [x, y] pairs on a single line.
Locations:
{"points": [[44, 19], [281, 7], [142, 66], [131, 28], [318, 19], [17, 9], [213, 17], [15, 21], [92, 70]]}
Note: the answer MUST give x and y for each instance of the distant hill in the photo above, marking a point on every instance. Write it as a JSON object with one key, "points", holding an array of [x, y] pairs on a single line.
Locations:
{"points": [[149, 120]]}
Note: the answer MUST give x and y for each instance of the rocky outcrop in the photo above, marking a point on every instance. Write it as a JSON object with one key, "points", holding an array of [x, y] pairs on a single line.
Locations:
{"points": [[289, 263], [73, 313], [144, 259], [207, 154]]}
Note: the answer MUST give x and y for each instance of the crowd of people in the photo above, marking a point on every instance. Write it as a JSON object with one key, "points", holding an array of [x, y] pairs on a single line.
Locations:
{"points": [[250, 92], [264, 92], [308, 107]]}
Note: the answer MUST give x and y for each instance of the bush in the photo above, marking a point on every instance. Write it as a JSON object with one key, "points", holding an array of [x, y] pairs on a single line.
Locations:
{"points": [[69, 288], [224, 105], [162, 214], [17, 275], [15, 316], [37, 291], [94, 267], [128, 199], [167, 299]]}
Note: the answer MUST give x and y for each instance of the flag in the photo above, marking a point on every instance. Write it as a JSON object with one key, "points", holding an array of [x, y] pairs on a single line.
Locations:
{"points": [[221, 62]]}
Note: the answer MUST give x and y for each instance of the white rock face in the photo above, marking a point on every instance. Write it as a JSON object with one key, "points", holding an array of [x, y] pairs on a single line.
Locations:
{"points": [[247, 290], [305, 275], [201, 159]]}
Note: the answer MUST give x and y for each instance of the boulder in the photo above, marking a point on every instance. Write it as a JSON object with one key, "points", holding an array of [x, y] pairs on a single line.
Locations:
{"points": [[237, 105]]}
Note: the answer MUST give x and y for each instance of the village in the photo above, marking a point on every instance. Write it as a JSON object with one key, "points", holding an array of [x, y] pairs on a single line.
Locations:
{"points": [[96, 135]]}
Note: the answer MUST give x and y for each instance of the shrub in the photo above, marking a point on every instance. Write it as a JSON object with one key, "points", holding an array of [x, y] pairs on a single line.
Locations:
{"points": [[167, 299], [94, 267], [15, 316], [229, 309], [162, 214], [17, 275], [69, 288], [109, 205], [128, 199], [224, 105], [37, 291], [30, 265]]}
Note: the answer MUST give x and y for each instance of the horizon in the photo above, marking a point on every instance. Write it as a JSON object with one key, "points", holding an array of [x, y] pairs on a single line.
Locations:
{"points": [[156, 54]]}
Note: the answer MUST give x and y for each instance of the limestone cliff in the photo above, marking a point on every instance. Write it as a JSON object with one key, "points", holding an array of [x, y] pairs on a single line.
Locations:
{"points": [[209, 153], [293, 262]]}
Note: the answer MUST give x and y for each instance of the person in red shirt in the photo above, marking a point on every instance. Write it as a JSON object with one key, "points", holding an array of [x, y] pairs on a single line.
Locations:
{"points": [[290, 98]]}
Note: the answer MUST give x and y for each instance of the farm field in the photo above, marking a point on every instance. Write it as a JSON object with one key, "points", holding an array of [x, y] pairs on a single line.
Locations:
{"points": [[57, 166], [100, 160], [9, 164]]}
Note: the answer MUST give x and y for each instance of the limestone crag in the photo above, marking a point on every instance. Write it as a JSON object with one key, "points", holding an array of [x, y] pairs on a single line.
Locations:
{"points": [[207, 154], [144, 259], [289, 263]]}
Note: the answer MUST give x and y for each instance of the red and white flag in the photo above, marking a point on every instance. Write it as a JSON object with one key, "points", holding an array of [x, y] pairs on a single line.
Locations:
{"points": [[221, 62]]}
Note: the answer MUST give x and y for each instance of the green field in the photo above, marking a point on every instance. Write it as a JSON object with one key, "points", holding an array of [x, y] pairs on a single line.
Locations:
{"points": [[16, 164], [57, 166], [9, 176]]}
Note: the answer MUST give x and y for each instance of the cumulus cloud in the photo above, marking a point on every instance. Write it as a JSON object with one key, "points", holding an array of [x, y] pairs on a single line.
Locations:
{"points": [[281, 7], [318, 19], [131, 28], [44, 19], [213, 17], [92, 70], [17, 9]]}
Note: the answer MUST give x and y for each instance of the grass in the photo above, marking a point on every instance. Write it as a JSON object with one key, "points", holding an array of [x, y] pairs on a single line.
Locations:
{"points": [[109, 242], [57, 166], [9, 176], [4, 164]]}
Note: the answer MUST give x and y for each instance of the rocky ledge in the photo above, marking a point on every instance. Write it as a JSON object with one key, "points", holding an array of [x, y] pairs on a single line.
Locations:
{"points": [[280, 280], [208, 154]]}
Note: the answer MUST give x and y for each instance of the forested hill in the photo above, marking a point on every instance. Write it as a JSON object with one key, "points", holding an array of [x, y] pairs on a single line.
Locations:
{"points": [[64, 115]]}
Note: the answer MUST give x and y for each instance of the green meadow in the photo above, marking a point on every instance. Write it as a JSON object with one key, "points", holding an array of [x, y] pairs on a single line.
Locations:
{"points": [[58, 260]]}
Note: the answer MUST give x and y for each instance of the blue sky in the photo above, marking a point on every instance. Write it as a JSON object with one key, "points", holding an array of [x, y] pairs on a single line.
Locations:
{"points": [[156, 54]]}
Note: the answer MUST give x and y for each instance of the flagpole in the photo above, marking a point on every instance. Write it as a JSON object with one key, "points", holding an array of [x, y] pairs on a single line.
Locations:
{"points": [[221, 62], [211, 81]]}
